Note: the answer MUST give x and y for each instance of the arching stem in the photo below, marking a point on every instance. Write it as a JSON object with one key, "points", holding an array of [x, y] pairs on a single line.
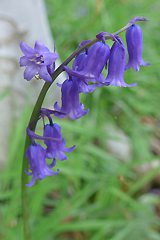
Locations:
{"points": [[35, 117]]}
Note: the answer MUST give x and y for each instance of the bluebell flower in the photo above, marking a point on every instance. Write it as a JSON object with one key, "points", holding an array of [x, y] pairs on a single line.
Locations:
{"points": [[37, 155], [134, 41], [78, 65], [116, 66], [89, 66], [71, 105], [38, 167], [55, 149], [38, 61]]}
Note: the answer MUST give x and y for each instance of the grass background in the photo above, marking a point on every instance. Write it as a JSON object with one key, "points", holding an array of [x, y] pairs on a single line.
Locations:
{"points": [[95, 196]]}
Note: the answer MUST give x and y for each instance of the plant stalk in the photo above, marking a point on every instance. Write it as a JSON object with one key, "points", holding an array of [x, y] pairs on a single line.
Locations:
{"points": [[33, 122]]}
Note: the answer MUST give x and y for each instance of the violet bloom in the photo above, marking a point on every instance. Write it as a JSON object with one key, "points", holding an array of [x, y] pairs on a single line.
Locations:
{"points": [[94, 62], [55, 149], [78, 66], [38, 168], [116, 66], [134, 41], [71, 105], [38, 61]]}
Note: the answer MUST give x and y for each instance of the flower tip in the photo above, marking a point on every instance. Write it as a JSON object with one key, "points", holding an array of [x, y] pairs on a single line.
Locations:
{"points": [[21, 43], [147, 64], [101, 36], [138, 19], [83, 43]]}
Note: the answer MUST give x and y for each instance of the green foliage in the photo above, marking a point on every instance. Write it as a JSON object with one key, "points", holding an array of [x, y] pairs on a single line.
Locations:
{"points": [[95, 196]]}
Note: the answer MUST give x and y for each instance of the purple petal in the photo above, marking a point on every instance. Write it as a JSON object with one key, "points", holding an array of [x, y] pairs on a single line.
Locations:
{"points": [[24, 61], [79, 62], [121, 83], [78, 74], [51, 155], [61, 156], [34, 136], [49, 58], [70, 149], [86, 88], [27, 50], [40, 47], [78, 113], [43, 73], [48, 112], [31, 183], [30, 72], [57, 107]]}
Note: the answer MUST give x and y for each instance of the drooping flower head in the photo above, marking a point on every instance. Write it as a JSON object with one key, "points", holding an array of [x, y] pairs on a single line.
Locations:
{"points": [[38, 168], [78, 65], [71, 105], [116, 66], [37, 155], [38, 61], [134, 41], [55, 149]]}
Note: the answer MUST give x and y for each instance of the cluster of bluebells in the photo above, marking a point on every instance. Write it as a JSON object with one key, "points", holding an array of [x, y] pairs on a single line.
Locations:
{"points": [[84, 76], [54, 149]]}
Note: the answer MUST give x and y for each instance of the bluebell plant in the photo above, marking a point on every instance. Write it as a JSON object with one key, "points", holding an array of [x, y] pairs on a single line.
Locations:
{"points": [[88, 72], [95, 65]]}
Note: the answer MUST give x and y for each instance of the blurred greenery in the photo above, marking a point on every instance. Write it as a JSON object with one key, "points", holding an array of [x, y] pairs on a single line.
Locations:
{"points": [[96, 196]]}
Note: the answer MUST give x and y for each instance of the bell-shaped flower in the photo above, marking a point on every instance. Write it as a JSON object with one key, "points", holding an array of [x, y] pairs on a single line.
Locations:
{"points": [[90, 66], [38, 168], [55, 148], [38, 61], [116, 66], [134, 41], [78, 65], [71, 105]]}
